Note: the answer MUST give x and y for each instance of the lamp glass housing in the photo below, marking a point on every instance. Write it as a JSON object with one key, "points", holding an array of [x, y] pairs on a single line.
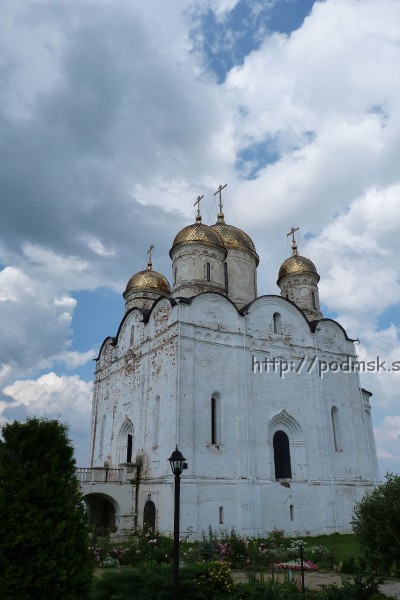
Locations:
{"points": [[177, 462]]}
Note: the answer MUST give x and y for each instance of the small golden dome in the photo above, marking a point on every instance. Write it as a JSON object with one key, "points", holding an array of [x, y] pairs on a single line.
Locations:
{"points": [[297, 265], [149, 280], [233, 237], [198, 233]]}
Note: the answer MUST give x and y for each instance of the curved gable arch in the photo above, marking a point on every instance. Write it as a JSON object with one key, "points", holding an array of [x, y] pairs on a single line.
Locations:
{"points": [[286, 422]]}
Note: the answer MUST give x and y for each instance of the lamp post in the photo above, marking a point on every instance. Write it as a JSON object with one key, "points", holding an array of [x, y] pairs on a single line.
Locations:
{"points": [[178, 463]]}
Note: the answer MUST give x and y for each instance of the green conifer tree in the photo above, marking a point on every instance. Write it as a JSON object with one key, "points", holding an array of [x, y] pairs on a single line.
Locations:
{"points": [[43, 526]]}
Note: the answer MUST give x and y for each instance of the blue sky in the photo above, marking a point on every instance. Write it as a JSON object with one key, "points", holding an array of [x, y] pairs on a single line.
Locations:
{"points": [[113, 120]]}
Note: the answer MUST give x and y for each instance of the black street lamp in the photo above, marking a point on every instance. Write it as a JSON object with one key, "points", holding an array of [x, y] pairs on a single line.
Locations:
{"points": [[178, 463]]}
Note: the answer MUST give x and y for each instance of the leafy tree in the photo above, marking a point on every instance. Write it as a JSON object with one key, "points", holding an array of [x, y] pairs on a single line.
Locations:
{"points": [[377, 523], [43, 526]]}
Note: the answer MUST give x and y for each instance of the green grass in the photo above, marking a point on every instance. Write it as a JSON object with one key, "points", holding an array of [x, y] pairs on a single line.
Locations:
{"points": [[343, 546]]}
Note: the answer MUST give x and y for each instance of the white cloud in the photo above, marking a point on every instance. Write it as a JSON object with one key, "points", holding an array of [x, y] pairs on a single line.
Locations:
{"points": [[67, 399], [359, 257], [387, 436], [110, 127], [73, 359], [35, 322]]}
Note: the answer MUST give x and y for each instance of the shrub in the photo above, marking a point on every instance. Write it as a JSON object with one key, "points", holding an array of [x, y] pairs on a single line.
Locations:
{"points": [[196, 582], [149, 546], [43, 529], [377, 523]]}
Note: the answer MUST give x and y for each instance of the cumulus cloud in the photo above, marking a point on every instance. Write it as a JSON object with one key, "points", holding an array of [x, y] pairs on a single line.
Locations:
{"points": [[387, 437], [35, 324], [111, 124], [65, 398]]}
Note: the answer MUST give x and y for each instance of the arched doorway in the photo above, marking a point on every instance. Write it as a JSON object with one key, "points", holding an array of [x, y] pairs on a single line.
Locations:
{"points": [[149, 516], [101, 511]]}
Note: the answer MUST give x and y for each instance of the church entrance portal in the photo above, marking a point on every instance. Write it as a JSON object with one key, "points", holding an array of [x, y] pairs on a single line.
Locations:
{"points": [[149, 516], [101, 511]]}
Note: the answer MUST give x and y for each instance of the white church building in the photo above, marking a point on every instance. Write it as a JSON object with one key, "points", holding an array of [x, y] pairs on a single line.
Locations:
{"points": [[259, 393]]}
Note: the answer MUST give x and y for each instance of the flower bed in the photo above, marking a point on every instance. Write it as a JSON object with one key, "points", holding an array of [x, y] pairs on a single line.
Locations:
{"points": [[295, 565]]}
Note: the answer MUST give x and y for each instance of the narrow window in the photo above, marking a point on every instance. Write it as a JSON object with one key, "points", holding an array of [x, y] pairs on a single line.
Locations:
{"points": [[283, 469], [175, 274], [156, 424], [314, 302], [277, 320], [208, 270], [214, 423], [291, 512], [221, 515], [129, 449], [226, 276], [335, 428], [103, 424]]}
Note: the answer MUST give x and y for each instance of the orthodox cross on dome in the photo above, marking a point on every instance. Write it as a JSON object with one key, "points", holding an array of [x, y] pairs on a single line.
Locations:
{"points": [[149, 262], [294, 245], [219, 191], [198, 216]]}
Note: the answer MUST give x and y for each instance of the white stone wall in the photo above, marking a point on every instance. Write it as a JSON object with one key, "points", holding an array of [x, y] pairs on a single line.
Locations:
{"points": [[242, 276], [161, 379]]}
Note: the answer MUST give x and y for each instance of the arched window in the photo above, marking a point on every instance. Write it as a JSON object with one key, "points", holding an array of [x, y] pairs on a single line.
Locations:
{"points": [[335, 428], [175, 274], [283, 469], [291, 510], [149, 516], [125, 443], [129, 448], [277, 320], [221, 515], [208, 271]]}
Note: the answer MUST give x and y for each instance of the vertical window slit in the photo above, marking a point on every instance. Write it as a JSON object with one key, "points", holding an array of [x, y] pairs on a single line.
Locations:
{"points": [[277, 322], [208, 270], [226, 276], [214, 424]]}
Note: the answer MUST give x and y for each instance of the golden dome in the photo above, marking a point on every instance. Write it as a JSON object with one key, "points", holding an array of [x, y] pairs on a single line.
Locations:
{"points": [[198, 233], [149, 280], [297, 265], [233, 237]]}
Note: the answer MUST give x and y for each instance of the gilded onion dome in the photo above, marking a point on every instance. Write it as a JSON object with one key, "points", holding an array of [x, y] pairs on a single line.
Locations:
{"points": [[149, 280], [233, 237], [296, 265], [198, 233]]}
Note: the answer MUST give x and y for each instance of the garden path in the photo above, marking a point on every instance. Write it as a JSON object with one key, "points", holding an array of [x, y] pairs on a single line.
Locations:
{"points": [[315, 580]]}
